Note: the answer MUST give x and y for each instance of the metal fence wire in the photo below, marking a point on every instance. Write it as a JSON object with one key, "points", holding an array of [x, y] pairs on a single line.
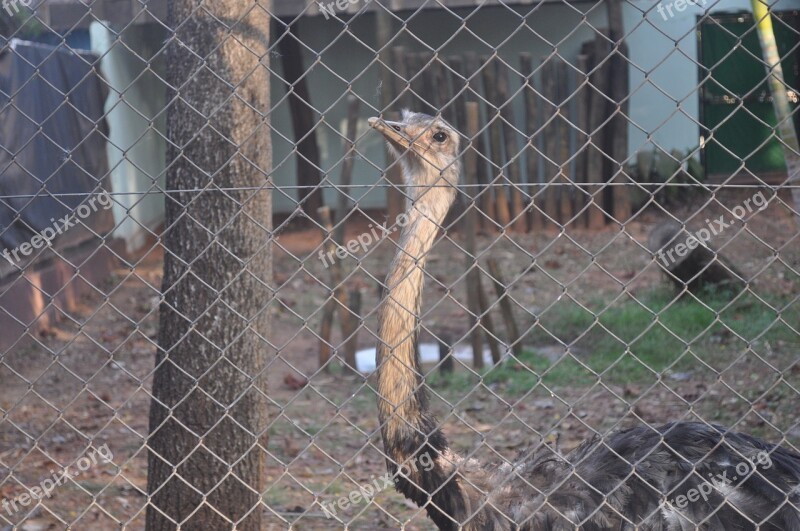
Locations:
{"points": [[211, 260]]}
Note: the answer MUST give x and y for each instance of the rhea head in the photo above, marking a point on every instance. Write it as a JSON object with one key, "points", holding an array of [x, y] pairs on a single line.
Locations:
{"points": [[427, 147]]}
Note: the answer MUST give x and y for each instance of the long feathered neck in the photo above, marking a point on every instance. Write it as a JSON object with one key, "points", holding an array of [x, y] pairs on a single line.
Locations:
{"points": [[417, 453], [399, 377]]}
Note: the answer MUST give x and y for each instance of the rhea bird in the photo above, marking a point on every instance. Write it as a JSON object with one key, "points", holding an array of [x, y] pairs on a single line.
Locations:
{"points": [[678, 476]]}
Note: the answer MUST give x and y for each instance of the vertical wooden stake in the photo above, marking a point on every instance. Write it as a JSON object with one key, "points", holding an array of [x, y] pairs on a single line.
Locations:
{"points": [[350, 329], [304, 122], [488, 325], [455, 69], [413, 69], [338, 300], [343, 205], [446, 362], [429, 94], [618, 90], [505, 307], [470, 225], [401, 88], [581, 138], [495, 141], [488, 218], [441, 84], [395, 199], [520, 222], [532, 155], [551, 171], [598, 112], [565, 188], [348, 321]]}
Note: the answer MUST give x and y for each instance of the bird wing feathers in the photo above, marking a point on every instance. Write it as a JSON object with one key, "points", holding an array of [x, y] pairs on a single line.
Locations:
{"points": [[675, 477]]}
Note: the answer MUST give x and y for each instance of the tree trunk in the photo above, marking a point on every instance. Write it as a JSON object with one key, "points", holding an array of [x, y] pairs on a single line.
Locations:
{"points": [[208, 415]]}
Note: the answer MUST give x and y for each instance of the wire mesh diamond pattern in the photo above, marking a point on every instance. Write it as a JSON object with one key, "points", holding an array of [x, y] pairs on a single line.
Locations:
{"points": [[622, 247]]}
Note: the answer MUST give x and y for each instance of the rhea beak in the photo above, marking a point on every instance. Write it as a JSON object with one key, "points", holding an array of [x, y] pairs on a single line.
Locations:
{"points": [[394, 132]]}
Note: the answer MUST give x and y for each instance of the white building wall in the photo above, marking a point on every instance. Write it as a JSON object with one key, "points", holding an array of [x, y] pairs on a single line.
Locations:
{"points": [[137, 123]]}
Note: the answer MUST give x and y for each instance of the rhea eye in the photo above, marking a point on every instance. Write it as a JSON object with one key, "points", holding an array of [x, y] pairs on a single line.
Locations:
{"points": [[440, 137]]}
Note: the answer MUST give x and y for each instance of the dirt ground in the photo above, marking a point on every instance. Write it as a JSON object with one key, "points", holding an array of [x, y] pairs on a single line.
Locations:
{"points": [[88, 377]]}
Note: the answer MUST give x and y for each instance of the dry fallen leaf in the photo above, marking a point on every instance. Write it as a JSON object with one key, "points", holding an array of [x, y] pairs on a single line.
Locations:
{"points": [[293, 382]]}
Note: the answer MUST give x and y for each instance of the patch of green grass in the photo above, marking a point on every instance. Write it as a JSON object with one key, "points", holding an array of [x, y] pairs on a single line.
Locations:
{"points": [[631, 340], [517, 375]]}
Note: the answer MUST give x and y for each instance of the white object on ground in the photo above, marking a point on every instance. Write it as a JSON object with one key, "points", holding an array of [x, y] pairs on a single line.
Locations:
{"points": [[428, 353]]}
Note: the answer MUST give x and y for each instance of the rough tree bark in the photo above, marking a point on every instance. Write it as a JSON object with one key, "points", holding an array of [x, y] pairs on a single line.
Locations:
{"points": [[208, 414]]}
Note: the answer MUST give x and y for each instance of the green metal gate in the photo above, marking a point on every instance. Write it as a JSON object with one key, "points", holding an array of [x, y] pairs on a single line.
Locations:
{"points": [[736, 107]]}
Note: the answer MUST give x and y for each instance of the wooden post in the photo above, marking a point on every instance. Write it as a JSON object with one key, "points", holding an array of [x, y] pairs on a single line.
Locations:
{"points": [[581, 138], [518, 217], [488, 326], [325, 332], [597, 116], [428, 92], [395, 199], [343, 205], [339, 299], [619, 145], [549, 115], [532, 156], [459, 120], [347, 315], [495, 141], [446, 362], [350, 328], [304, 122], [455, 66], [488, 219], [444, 96], [412, 66], [618, 90], [565, 184], [470, 225], [402, 88], [514, 337], [334, 237]]}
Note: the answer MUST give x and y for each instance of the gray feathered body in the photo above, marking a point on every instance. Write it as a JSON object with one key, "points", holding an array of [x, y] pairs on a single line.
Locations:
{"points": [[676, 477]]}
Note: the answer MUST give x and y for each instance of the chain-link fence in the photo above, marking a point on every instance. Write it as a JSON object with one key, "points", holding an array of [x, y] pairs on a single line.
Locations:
{"points": [[198, 219]]}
